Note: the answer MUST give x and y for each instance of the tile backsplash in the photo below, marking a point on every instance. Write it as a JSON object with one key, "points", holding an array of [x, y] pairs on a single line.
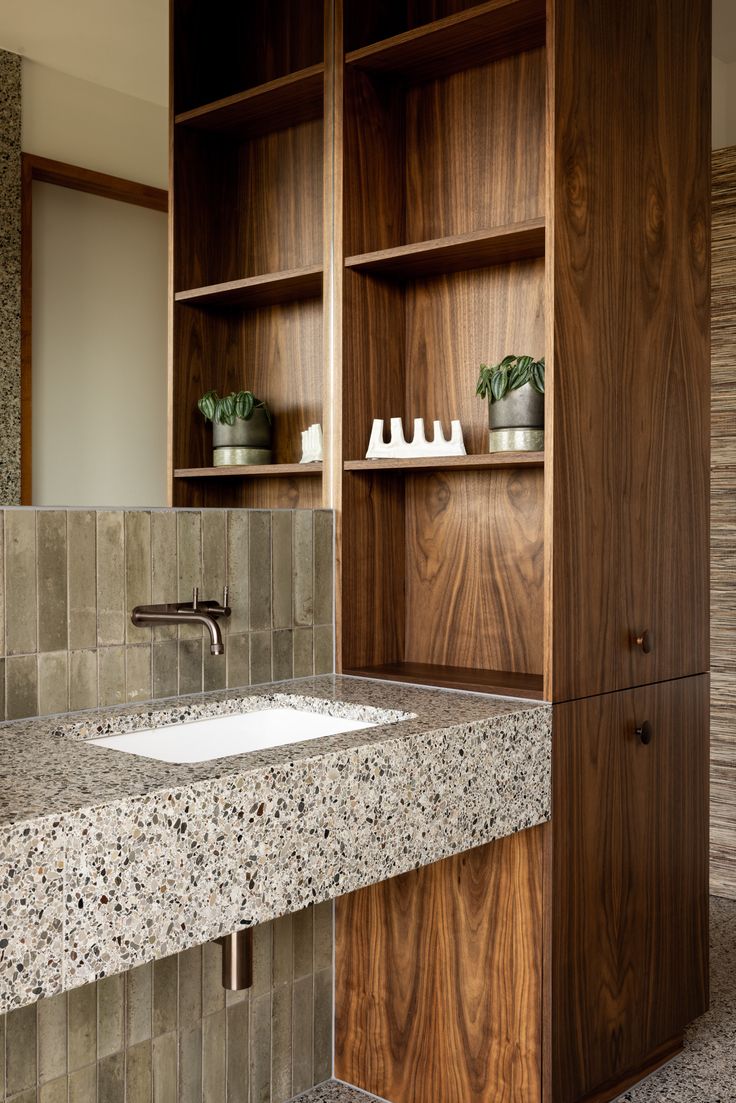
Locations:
{"points": [[71, 578]]}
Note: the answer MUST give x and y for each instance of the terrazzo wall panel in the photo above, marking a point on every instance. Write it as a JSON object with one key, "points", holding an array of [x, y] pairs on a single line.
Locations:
{"points": [[9, 278], [71, 578]]}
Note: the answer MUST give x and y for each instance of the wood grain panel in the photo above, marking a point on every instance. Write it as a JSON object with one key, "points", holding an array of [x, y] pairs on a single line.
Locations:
{"points": [[475, 569], [629, 951], [292, 99], [631, 291], [438, 979]]}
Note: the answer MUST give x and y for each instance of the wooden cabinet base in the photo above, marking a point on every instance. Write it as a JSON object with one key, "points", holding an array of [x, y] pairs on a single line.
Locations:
{"points": [[655, 1061], [438, 986]]}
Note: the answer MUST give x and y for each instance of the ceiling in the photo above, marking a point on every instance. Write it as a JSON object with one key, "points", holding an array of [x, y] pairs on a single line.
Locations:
{"points": [[120, 44], [724, 29]]}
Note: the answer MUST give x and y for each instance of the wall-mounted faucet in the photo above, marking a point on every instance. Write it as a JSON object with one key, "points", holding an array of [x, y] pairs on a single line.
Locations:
{"points": [[195, 611]]}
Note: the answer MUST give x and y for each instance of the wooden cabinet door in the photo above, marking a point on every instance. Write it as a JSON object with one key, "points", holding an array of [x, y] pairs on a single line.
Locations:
{"points": [[629, 952], [630, 380]]}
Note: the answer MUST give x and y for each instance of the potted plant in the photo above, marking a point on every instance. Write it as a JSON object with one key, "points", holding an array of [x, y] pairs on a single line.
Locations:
{"points": [[242, 428], [514, 389]]}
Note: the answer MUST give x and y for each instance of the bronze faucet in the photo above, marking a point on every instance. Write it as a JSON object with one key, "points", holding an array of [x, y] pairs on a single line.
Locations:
{"points": [[195, 611]]}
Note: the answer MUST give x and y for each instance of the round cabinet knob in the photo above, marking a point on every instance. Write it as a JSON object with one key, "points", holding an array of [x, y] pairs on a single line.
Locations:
{"points": [[644, 640], [645, 733]]}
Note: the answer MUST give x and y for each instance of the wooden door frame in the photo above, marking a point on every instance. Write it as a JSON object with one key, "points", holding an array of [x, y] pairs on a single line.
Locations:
{"points": [[45, 171]]}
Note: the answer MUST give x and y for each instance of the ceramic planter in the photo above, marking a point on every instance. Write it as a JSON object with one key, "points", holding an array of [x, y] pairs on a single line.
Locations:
{"points": [[244, 443], [516, 421]]}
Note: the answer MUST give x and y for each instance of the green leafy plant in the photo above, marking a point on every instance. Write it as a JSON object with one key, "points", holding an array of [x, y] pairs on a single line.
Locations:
{"points": [[495, 382], [231, 406]]}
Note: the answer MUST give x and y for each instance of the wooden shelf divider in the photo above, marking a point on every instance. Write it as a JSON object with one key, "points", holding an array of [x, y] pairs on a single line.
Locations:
{"points": [[295, 98], [269, 289], [477, 249], [262, 471], [449, 463], [484, 33], [506, 683]]}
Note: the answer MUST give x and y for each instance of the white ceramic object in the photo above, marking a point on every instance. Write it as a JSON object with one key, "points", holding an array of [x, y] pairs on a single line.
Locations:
{"points": [[225, 736], [398, 447], [312, 444]]}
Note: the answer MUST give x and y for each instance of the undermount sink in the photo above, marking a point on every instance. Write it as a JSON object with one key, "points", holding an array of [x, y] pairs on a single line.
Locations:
{"points": [[225, 736]]}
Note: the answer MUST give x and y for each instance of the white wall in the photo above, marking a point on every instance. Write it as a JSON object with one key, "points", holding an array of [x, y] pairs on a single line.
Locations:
{"points": [[99, 351], [85, 124], [724, 104]]}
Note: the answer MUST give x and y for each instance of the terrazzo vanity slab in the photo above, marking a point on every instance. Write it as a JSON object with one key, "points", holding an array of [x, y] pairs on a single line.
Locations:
{"points": [[143, 858]]}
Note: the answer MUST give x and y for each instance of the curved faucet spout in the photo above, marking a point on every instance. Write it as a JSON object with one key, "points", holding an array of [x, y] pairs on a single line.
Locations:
{"points": [[146, 615]]}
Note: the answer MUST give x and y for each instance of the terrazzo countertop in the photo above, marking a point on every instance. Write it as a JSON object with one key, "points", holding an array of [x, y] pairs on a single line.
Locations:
{"points": [[108, 860]]}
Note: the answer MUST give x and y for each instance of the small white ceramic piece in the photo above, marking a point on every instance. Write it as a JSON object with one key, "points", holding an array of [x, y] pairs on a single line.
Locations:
{"points": [[312, 444], [398, 447]]}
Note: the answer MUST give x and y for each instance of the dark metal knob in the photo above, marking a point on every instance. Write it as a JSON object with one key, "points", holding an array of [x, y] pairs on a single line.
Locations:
{"points": [[644, 640], [645, 733]]}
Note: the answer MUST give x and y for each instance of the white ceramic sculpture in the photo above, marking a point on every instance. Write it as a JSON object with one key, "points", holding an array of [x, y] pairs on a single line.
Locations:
{"points": [[312, 445], [398, 447]]}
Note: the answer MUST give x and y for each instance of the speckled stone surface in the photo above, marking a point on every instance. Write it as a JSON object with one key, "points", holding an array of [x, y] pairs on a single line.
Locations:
{"points": [[334, 1091], [160, 856], [9, 278]]}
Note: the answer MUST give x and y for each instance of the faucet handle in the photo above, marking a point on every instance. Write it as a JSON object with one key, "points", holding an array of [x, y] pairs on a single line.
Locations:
{"points": [[225, 596], [195, 597]]}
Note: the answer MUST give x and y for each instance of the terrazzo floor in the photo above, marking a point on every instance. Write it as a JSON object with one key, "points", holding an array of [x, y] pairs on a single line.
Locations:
{"points": [[705, 1072]]}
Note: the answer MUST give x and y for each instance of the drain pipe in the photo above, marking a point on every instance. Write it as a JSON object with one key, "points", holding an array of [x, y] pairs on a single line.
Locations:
{"points": [[237, 960]]}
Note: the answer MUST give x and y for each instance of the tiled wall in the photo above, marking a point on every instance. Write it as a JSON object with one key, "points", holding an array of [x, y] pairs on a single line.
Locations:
{"points": [[168, 1033], [71, 578], [9, 278]]}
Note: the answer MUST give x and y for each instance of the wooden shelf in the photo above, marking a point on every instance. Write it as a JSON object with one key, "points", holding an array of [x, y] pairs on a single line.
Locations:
{"points": [[264, 471], [478, 249], [296, 98], [269, 289], [505, 683], [482, 34], [449, 463]]}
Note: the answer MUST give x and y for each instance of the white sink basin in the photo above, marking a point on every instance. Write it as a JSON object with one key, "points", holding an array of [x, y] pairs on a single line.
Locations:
{"points": [[225, 736]]}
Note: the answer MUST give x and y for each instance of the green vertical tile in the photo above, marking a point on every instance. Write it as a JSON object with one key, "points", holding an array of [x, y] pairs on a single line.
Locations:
{"points": [[262, 959], [82, 1016], [30, 1096], [82, 679], [111, 1079], [324, 649], [190, 1065], [111, 613], [20, 581], [2, 1017], [190, 986], [138, 1073], [138, 1004], [281, 537], [83, 1085], [213, 994], [260, 658], [303, 652], [3, 713], [237, 569], [52, 1034], [281, 1052], [214, 667], [322, 1026], [323, 935], [283, 655], [190, 666], [2, 626], [165, 994], [164, 575], [214, 1067], [164, 1058], [53, 1091], [137, 570], [260, 1049], [138, 686], [238, 1030], [259, 569], [237, 656], [110, 1015], [214, 554], [20, 1050], [283, 950], [21, 686], [303, 568], [111, 675], [302, 1035], [82, 578], [165, 668], [51, 579], [189, 559], [303, 938], [53, 682], [324, 570]]}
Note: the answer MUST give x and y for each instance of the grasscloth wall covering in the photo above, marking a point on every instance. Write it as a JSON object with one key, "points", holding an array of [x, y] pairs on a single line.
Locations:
{"points": [[71, 578], [9, 278], [723, 527]]}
